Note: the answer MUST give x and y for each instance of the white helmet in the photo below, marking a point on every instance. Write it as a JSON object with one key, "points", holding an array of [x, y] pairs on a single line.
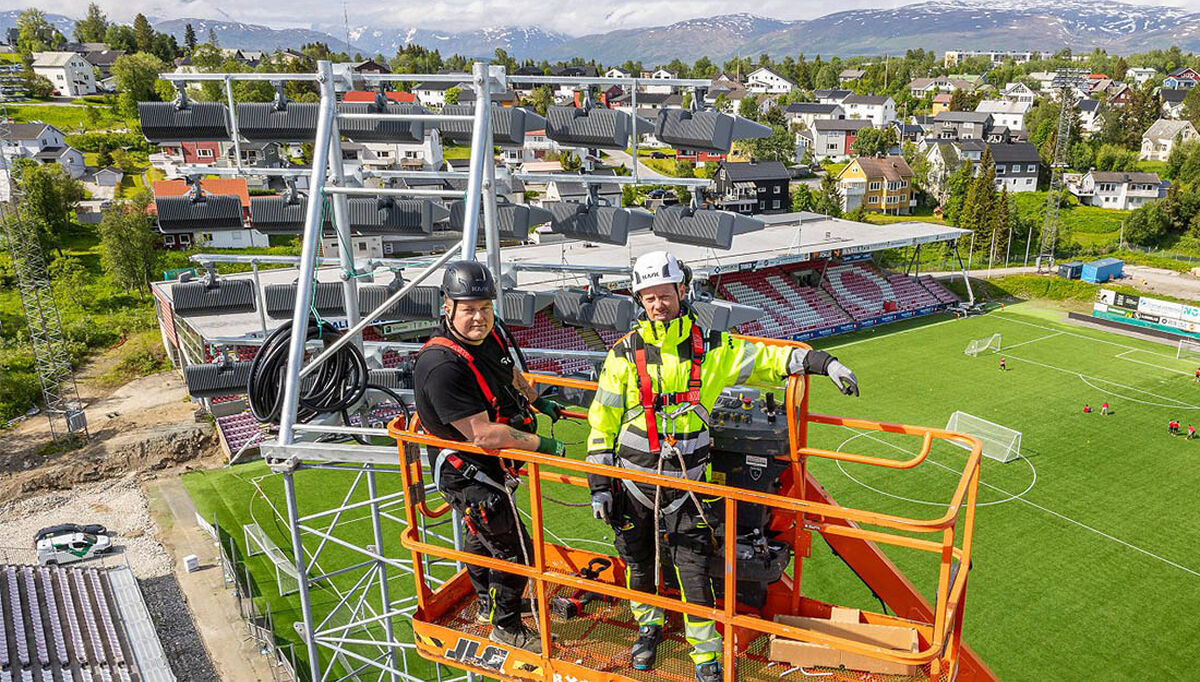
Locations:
{"points": [[654, 268]]}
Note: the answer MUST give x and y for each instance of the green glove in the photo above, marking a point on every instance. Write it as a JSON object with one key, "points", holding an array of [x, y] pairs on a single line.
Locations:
{"points": [[549, 408], [551, 446]]}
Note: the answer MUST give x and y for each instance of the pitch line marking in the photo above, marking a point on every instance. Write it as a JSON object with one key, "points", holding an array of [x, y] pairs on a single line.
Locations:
{"points": [[1004, 349], [1122, 354], [888, 336], [1179, 404], [1068, 519], [1077, 335]]}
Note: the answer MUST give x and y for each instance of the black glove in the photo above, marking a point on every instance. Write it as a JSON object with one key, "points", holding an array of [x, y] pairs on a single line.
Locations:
{"points": [[549, 408]]}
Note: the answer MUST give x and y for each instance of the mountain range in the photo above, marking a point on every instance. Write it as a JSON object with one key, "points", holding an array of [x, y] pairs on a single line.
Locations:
{"points": [[937, 25]]}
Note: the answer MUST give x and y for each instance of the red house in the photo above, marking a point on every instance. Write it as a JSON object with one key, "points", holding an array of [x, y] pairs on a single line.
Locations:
{"points": [[397, 96]]}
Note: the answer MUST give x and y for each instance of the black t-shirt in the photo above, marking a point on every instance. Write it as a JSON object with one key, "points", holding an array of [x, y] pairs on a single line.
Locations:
{"points": [[446, 389]]}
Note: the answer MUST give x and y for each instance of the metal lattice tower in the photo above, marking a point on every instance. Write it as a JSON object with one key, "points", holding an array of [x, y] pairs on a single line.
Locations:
{"points": [[1065, 81], [59, 392]]}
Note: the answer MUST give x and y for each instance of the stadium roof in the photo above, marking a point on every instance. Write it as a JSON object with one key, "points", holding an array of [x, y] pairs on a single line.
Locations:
{"points": [[787, 238]]}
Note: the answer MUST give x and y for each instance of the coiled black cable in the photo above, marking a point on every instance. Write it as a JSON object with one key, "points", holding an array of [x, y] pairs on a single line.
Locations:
{"points": [[336, 385]]}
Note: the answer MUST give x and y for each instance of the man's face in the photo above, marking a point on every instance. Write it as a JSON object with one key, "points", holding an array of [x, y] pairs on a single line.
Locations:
{"points": [[472, 320], [661, 302]]}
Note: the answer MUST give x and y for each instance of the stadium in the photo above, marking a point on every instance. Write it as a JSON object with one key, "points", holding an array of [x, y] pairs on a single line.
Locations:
{"points": [[967, 453]]}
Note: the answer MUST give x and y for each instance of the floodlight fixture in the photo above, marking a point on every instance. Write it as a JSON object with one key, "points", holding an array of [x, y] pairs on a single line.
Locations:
{"points": [[216, 379], [420, 303], [514, 221], [595, 308], [721, 315], [278, 121], [520, 307], [588, 125], [509, 124], [702, 227], [283, 214], [198, 211], [387, 215], [281, 300], [594, 222], [372, 130], [212, 296], [183, 120], [707, 130]]}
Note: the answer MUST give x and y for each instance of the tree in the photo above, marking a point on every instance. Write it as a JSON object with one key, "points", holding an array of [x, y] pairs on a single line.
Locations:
{"points": [[919, 164], [91, 28], [803, 198], [129, 243], [121, 37], [35, 33], [1191, 106], [136, 76], [874, 141], [721, 103], [958, 100], [50, 199], [999, 227], [1111, 157], [541, 98], [104, 157], [452, 95], [957, 186], [37, 86], [1081, 156], [981, 197], [570, 162], [143, 33], [189, 38], [829, 197], [71, 280], [748, 108]]}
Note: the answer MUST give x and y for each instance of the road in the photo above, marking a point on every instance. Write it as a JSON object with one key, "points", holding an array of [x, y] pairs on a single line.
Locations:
{"points": [[627, 161], [1140, 277]]}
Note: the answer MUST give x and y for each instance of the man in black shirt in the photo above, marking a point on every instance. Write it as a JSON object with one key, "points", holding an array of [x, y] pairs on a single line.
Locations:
{"points": [[467, 390]]}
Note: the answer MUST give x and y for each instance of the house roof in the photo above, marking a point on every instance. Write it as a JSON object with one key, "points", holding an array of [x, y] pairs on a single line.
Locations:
{"points": [[962, 117], [942, 98], [1017, 152], [53, 153], [1182, 71], [1123, 178], [852, 73], [110, 170], [889, 167], [810, 108], [842, 124], [750, 171], [103, 57], [52, 58], [1173, 95], [1165, 129], [969, 145], [587, 71], [1001, 106], [869, 100], [770, 71], [443, 85], [1089, 105], [24, 131], [216, 186], [397, 96], [833, 93], [958, 83]]}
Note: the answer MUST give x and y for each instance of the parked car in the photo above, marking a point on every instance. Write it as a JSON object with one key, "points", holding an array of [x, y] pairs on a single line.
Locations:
{"points": [[657, 155], [64, 528], [66, 548]]}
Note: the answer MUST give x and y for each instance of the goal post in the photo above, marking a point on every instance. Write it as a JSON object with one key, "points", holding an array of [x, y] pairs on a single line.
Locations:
{"points": [[1188, 349], [977, 346], [287, 579], [999, 442]]}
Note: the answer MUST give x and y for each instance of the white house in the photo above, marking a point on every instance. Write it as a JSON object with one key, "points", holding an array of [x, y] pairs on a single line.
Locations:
{"points": [[764, 80], [1090, 118], [42, 142], [879, 110], [1005, 113], [805, 113], [69, 72], [1018, 92], [1140, 74], [617, 72], [1124, 191], [423, 155], [1160, 138], [833, 96], [434, 94], [1016, 166], [1172, 101], [834, 138], [659, 74]]}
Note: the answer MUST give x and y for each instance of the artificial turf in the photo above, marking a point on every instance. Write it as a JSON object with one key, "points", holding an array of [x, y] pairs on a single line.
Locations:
{"points": [[1085, 554]]}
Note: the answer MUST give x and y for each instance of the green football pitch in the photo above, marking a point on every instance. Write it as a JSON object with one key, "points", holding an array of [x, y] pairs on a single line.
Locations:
{"points": [[1087, 551]]}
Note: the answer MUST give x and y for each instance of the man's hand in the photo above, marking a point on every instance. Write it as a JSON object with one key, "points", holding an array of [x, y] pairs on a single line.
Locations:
{"points": [[842, 377], [602, 506], [551, 446], [549, 408]]}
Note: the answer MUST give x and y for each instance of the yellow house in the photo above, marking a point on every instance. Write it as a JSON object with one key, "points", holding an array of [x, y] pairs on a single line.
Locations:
{"points": [[941, 102], [881, 184]]}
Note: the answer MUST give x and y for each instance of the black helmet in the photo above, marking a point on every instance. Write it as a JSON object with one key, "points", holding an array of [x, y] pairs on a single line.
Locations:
{"points": [[468, 280]]}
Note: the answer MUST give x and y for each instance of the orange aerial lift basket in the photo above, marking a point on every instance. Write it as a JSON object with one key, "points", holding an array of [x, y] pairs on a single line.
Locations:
{"points": [[593, 644]]}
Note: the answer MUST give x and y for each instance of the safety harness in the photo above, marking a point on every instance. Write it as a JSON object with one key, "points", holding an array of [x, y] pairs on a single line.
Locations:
{"points": [[488, 395], [652, 402]]}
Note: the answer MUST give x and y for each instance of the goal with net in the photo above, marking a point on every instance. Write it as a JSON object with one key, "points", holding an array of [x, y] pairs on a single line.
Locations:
{"points": [[287, 579], [977, 346], [999, 442], [1188, 349]]}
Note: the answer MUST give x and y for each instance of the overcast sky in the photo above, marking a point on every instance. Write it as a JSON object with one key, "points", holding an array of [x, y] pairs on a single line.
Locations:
{"points": [[575, 17]]}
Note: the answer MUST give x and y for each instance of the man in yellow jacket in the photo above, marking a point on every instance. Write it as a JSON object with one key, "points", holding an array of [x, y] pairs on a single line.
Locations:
{"points": [[650, 414]]}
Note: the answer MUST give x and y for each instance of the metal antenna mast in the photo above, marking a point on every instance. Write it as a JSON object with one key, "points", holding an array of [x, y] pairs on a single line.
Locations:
{"points": [[59, 393], [1065, 81]]}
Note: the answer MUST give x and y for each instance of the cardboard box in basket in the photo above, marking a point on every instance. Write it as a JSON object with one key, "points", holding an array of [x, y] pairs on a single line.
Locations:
{"points": [[844, 623]]}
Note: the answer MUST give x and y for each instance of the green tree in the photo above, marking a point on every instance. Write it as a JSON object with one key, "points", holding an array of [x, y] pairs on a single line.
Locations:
{"points": [[1081, 157], [721, 103], [35, 33], [50, 199], [452, 95], [748, 108], [104, 157], [828, 199], [541, 98], [189, 38], [36, 86], [958, 100], [1191, 106], [1000, 227], [136, 76], [91, 28], [981, 197], [919, 164], [803, 198], [874, 141], [143, 33], [121, 37], [71, 280], [1110, 157], [957, 186], [570, 162], [129, 244]]}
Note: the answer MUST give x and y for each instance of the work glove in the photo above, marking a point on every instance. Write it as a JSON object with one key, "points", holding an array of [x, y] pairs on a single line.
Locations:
{"points": [[842, 377], [552, 446], [549, 408], [602, 506]]}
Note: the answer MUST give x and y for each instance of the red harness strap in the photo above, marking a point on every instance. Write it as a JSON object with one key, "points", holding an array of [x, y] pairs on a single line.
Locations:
{"points": [[651, 400], [488, 395]]}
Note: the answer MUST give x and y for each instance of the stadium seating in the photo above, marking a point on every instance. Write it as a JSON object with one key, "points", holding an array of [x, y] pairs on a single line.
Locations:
{"points": [[239, 429], [789, 308], [941, 293], [548, 333], [865, 292]]}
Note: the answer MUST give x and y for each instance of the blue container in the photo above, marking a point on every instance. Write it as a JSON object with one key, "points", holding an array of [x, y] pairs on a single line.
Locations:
{"points": [[1070, 270], [1102, 270]]}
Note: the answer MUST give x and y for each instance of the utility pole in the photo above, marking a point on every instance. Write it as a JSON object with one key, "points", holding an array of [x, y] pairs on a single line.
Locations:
{"points": [[51, 360]]}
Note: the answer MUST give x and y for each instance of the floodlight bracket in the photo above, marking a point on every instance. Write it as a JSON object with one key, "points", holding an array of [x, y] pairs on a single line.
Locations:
{"points": [[281, 100], [181, 99]]}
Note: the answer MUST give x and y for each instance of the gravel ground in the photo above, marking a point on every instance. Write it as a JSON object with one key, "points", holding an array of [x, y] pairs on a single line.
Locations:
{"points": [[122, 507]]}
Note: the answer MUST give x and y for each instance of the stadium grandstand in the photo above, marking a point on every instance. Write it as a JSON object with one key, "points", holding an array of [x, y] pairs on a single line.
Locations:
{"points": [[808, 276], [59, 623]]}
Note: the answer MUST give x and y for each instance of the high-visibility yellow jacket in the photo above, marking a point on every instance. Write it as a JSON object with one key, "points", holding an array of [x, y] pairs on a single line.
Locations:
{"points": [[618, 423]]}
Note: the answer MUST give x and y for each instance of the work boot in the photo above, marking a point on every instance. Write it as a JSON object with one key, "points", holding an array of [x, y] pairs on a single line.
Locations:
{"points": [[645, 647], [708, 672], [483, 615], [520, 636]]}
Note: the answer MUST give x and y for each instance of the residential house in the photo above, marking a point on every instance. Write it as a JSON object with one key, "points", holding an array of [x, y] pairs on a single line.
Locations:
{"points": [[576, 192], [1119, 97], [43, 143], [953, 58], [1018, 92], [188, 154], [908, 132], [1183, 77], [831, 96], [108, 177], [1124, 191], [217, 239], [805, 113], [397, 96], [566, 91], [647, 101], [1005, 113], [1044, 79], [849, 76], [1090, 118], [433, 93], [752, 187], [765, 81], [731, 88], [1016, 166], [69, 72], [879, 110], [504, 98], [832, 139], [1140, 74], [102, 61], [945, 156], [1160, 138], [920, 87], [618, 72], [941, 102], [878, 184], [657, 74], [1172, 101], [957, 125]]}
